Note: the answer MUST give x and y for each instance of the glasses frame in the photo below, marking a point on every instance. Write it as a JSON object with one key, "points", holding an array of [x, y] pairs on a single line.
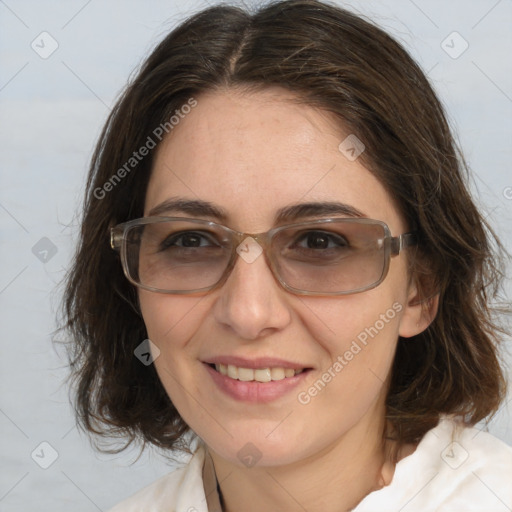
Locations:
{"points": [[392, 246]]}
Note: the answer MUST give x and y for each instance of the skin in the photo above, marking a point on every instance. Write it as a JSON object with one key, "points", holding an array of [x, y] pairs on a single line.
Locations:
{"points": [[326, 455]]}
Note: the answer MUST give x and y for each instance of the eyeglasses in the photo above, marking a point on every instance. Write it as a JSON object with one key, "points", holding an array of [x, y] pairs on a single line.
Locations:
{"points": [[334, 256]]}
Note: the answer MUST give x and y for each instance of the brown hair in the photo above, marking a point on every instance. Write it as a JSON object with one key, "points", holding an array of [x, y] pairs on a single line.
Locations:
{"points": [[335, 61]]}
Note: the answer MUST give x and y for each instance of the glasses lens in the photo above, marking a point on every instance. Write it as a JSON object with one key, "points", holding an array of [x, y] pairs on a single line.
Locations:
{"points": [[176, 255], [335, 257], [341, 256]]}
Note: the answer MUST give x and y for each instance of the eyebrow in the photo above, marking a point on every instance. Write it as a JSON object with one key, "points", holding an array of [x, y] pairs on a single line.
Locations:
{"points": [[294, 212]]}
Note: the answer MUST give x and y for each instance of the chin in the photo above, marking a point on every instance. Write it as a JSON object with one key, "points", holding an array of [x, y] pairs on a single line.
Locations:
{"points": [[258, 448]]}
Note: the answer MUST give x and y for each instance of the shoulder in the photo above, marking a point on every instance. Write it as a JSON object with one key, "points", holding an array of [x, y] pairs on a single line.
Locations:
{"points": [[453, 468], [179, 491]]}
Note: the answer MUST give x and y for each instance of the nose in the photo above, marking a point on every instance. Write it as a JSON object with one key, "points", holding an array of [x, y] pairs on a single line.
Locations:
{"points": [[251, 302]]}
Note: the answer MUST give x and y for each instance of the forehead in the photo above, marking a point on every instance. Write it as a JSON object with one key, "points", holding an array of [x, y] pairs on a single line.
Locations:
{"points": [[252, 154]]}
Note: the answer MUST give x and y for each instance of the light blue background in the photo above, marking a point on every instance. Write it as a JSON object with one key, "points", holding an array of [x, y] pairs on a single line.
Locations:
{"points": [[51, 112]]}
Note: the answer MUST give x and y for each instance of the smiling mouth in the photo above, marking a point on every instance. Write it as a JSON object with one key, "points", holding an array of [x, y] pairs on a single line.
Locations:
{"points": [[258, 374]]}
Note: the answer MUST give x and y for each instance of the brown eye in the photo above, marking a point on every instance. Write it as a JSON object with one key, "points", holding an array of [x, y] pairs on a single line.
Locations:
{"points": [[188, 239], [322, 240]]}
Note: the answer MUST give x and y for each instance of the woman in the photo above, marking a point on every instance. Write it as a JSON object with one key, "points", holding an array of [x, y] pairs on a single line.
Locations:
{"points": [[279, 256]]}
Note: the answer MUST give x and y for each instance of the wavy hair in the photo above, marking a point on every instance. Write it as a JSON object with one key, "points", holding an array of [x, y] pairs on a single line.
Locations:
{"points": [[336, 61]]}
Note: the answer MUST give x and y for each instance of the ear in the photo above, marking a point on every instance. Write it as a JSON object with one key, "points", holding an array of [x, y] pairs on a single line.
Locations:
{"points": [[418, 313]]}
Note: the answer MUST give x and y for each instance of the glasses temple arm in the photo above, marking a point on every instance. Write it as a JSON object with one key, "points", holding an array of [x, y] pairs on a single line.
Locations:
{"points": [[116, 238], [401, 242]]}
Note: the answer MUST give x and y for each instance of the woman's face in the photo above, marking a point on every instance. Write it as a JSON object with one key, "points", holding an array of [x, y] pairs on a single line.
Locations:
{"points": [[251, 155]]}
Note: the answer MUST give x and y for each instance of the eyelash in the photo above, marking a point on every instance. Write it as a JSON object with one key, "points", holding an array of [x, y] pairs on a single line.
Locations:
{"points": [[332, 237]]}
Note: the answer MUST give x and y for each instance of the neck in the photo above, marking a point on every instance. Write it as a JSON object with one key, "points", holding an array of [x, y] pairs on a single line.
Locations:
{"points": [[334, 480]]}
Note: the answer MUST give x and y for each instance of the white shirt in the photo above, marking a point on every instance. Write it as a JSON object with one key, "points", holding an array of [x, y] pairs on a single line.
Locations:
{"points": [[453, 469]]}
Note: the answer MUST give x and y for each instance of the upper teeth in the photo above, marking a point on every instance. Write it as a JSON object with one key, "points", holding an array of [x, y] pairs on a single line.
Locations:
{"points": [[260, 374]]}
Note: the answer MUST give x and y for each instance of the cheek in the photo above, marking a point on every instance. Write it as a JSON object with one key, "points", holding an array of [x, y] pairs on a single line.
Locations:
{"points": [[358, 339], [370, 348], [336, 323], [358, 336], [170, 320]]}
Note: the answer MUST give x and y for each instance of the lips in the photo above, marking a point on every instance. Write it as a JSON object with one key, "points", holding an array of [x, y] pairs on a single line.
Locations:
{"points": [[255, 380]]}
